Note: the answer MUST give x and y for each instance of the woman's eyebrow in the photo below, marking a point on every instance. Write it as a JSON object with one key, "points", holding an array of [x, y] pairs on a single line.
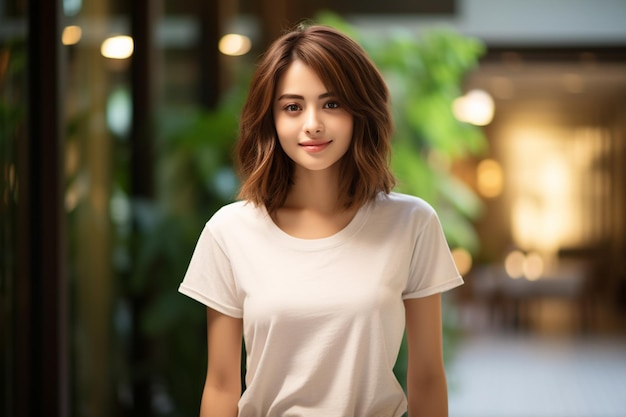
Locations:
{"points": [[298, 97]]}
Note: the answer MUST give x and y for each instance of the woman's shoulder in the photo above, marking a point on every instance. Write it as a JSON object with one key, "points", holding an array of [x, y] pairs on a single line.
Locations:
{"points": [[404, 203], [234, 214], [405, 213]]}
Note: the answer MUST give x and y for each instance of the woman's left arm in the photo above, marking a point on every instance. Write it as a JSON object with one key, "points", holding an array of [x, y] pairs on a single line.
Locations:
{"points": [[426, 378]]}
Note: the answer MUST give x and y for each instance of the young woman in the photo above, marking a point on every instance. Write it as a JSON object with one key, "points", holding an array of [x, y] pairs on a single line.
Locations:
{"points": [[320, 265]]}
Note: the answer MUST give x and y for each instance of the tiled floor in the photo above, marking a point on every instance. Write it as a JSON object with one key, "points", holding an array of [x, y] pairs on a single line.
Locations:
{"points": [[537, 376]]}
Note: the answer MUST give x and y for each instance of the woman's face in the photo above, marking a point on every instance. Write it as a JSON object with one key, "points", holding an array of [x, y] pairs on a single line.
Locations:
{"points": [[314, 128]]}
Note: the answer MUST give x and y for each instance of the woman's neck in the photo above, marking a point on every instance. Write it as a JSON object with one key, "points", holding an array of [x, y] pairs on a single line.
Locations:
{"points": [[316, 191], [313, 208]]}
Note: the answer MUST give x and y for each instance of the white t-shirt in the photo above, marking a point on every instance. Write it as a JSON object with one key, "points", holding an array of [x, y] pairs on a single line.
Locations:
{"points": [[323, 319]]}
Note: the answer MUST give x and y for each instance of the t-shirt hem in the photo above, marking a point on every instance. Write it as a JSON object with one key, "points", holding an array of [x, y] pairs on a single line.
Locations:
{"points": [[201, 298], [444, 286]]}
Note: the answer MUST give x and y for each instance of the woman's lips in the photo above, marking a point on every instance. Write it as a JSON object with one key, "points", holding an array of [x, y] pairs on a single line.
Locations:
{"points": [[314, 146]]}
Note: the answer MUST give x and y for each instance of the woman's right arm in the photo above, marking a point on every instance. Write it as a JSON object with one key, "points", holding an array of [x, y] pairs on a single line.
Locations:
{"points": [[222, 388]]}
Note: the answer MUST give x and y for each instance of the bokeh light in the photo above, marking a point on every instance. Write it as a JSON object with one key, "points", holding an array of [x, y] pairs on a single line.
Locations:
{"points": [[71, 35], [514, 264], [475, 107], [234, 44], [489, 178], [463, 260], [533, 266], [117, 47]]}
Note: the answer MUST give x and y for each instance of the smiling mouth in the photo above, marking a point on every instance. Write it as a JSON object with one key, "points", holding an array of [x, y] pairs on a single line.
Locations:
{"points": [[314, 146]]}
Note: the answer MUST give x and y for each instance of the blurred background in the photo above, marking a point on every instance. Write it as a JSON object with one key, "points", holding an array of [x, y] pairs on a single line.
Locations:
{"points": [[117, 121]]}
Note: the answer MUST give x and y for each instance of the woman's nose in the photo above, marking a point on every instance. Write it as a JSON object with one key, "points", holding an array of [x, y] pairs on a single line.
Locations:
{"points": [[313, 124]]}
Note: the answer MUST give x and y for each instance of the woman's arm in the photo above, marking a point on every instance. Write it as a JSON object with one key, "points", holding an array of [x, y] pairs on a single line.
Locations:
{"points": [[426, 378], [222, 387]]}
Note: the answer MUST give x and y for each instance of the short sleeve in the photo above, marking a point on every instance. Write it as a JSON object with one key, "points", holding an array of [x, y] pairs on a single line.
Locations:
{"points": [[432, 268], [209, 278]]}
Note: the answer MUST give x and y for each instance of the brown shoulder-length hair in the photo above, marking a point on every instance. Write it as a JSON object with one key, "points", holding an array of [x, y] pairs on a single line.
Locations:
{"points": [[345, 69]]}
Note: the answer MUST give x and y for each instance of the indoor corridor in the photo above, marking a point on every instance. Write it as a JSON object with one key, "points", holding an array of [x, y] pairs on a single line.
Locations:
{"points": [[551, 368], [500, 375]]}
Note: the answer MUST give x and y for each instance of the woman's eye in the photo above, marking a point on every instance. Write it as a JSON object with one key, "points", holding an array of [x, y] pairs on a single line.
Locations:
{"points": [[292, 107], [332, 105]]}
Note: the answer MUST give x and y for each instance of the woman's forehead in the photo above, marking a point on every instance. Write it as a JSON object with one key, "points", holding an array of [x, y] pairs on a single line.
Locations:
{"points": [[300, 78]]}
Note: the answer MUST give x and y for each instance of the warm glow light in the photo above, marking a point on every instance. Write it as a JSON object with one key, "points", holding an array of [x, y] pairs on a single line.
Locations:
{"points": [[71, 35], [463, 260], [117, 47], [525, 225], [533, 267], [235, 45], [489, 178], [514, 264], [544, 199], [475, 107]]}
